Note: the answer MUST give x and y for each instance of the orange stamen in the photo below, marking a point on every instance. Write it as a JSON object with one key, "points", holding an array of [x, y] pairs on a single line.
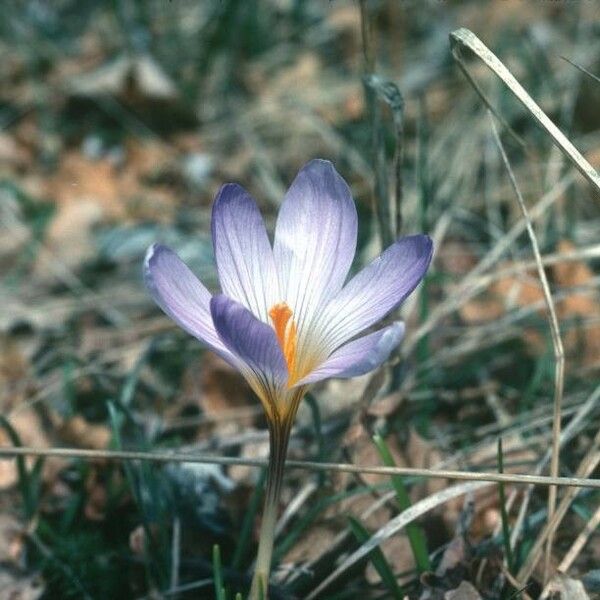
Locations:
{"points": [[285, 329]]}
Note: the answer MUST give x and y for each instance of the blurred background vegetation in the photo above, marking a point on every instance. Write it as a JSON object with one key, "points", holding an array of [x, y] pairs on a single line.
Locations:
{"points": [[119, 121]]}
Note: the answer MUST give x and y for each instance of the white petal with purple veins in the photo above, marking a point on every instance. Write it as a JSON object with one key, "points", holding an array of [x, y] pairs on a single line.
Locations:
{"points": [[375, 291], [315, 241], [252, 341], [243, 251], [359, 356], [182, 297]]}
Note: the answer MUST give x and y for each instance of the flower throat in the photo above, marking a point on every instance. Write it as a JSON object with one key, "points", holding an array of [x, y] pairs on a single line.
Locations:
{"points": [[285, 329]]}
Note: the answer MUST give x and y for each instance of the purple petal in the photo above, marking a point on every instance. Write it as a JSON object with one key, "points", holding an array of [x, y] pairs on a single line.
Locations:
{"points": [[252, 341], [181, 296], [359, 356], [376, 290], [243, 252], [315, 240]]}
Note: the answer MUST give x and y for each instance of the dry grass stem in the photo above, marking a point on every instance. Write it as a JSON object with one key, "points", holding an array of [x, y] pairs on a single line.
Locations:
{"points": [[587, 466], [579, 543], [7, 452], [464, 38], [559, 354], [397, 524]]}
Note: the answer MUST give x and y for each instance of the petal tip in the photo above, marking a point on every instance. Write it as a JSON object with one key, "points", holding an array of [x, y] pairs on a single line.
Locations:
{"points": [[149, 260], [420, 245], [153, 255], [228, 192], [319, 163], [320, 167], [150, 252], [423, 241]]}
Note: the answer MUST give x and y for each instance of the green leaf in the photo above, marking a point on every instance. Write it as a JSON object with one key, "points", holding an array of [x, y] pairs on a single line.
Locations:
{"points": [[418, 542], [218, 573], [377, 557], [29, 483]]}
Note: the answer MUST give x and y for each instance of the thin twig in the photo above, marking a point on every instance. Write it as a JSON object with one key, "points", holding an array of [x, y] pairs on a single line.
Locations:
{"points": [[468, 286], [165, 457], [559, 355], [582, 69]]}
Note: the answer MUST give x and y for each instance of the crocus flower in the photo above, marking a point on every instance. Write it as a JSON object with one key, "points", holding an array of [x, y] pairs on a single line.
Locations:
{"points": [[287, 315]]}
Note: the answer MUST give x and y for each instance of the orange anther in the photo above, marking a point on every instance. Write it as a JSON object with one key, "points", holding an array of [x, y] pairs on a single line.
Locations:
{"points": [[285, 329]]}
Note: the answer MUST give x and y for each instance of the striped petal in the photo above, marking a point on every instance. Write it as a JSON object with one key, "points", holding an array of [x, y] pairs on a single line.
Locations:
{"points": [[375, 291], [359, 356], [315, 240], [182, 297], [243, 252], [253, 342]]}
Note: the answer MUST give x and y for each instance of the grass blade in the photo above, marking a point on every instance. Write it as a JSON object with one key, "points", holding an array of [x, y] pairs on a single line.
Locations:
{"points": [[218, 573], [378, 559], [398, 523], [28, 486], [418, 542]]}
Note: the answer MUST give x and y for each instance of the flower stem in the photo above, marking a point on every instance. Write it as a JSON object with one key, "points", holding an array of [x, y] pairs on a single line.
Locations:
{"points": [[279, 435]]}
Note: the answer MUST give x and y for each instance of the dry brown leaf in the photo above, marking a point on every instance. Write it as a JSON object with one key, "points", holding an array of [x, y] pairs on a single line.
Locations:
{"points": [[88, 190], [398, 553], [27, 424], [457, 258], [303, 75], [12, 154], [386, 406], [362, 450], [221, 391], [344, 20], [521, 290], [582, 342], [494, 16], [354, 105], [593, 157], [69, 238], [140, 75], [146, 157], [311, 544], [80, 178], [420, 453], [14, 369], [14, 388], [12, 539], [78, 432]]}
